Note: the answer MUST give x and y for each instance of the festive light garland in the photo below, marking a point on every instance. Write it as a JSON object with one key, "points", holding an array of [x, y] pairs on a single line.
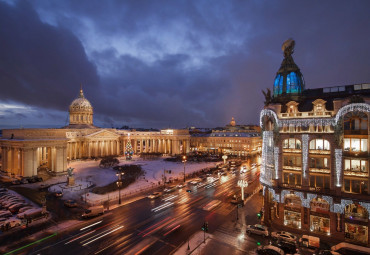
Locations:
{"points": [[269, 113], [329, 199], [267, 157], [307, 122], [355, 107], [338, 166], [275, 197], [276, 158], [305, 139]]}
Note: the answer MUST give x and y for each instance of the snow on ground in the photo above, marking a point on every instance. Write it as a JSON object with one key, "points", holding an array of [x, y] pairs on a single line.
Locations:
{"points": [[88, 172]]}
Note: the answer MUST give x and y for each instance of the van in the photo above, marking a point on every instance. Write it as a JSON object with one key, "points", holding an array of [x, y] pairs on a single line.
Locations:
{"points": [[93, 211], [309, 241], [348, 248]]}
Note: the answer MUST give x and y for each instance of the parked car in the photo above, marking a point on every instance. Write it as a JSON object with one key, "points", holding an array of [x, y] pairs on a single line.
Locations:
{"points": [[269, 250], [15, 208], [348, 248], [16, 182], [7, 205], [5, 214], [23, 209], [328, 252], [24, 181], [257, 229], [282, 235], [70, 203], [287, 247], [3, 189], [58, 194], [155, 195], [33, 214], [309, 241], [11, 223]]}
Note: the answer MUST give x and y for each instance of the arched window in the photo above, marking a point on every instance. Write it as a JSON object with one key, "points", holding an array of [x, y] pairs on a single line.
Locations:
{"points": [[355, 123], [320, 144]]}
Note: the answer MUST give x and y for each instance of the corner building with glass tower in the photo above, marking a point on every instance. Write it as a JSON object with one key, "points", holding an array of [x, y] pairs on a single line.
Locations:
{"points": [[315, 157]]}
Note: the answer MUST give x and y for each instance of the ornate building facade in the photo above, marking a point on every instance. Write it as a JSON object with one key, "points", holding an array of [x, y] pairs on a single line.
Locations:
{"points": [[315, 157]]}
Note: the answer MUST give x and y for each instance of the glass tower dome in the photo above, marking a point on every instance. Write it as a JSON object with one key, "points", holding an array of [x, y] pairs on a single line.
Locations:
{"points": [[289, 79]]}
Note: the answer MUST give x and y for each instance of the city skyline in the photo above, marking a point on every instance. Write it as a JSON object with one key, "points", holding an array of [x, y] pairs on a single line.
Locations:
{"points": [[170, 63]]}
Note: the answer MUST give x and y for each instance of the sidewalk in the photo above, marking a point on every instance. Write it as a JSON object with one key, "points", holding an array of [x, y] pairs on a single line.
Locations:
{"points": [[194, 245]]}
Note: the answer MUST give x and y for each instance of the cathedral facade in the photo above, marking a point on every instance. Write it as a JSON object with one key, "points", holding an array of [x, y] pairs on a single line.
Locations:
{"points": [[26, 151]]}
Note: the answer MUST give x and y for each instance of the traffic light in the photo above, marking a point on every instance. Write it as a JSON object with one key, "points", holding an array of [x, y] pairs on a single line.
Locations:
{"points": [[258, 244], [259, 215], [205, 227]]}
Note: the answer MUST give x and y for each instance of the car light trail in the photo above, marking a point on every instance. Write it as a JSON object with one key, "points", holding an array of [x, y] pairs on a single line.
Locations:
{"points": [[28, 245], [79, 237], [153, 225], [165, 205], [170, 198], [103, 235], [96, 223], [172, 230]]}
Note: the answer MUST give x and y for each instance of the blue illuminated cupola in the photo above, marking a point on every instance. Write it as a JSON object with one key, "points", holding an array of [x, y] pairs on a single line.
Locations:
{"points": [[289, 79]]}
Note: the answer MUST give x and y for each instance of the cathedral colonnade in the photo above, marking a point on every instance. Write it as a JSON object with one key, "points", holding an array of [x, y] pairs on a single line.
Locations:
{"points": [[164, 145], [25, 161]]}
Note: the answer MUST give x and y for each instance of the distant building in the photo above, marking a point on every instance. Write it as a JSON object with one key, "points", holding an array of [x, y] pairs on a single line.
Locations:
{"points": [[315, 157], [237, 140]]}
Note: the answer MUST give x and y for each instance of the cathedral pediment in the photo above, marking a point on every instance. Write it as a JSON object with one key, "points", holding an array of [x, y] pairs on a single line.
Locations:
{"points": [[103, 134]]}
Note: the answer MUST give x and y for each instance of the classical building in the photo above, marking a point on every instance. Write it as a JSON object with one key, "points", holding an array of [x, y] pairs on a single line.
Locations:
{"points": [[237, 140], [24, 152], [315, 157], [27, 152]]}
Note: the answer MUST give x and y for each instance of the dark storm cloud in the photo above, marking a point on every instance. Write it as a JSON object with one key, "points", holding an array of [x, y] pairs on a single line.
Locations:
{"points": [[178, 63], [40, 65]]}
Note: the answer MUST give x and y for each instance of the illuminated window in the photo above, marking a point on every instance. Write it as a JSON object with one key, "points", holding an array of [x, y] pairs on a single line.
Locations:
{"points": [[320, 144], [292, 178], [319, 162], [356, 165], [320, 181], [355, 186], [355, 145], [290, 160], [355, 121], [292, 143]]}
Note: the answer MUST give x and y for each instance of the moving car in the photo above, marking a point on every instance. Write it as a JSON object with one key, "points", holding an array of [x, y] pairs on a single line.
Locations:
{"points": [[70, 203], [93, 211], [282, 235], [180, 186], [257, 229], [155, 195], [170, 189]]}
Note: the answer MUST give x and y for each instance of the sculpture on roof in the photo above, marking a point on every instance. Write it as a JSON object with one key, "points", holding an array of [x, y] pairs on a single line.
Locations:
{"points": [[268, 97], [288, 47]]}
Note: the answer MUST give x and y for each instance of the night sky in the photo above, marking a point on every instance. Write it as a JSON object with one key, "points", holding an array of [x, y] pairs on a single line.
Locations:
{"points": [[169, 63]]}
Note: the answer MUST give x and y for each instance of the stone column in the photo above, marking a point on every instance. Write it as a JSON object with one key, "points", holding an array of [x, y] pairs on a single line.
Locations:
{"points": [[10, 162]]}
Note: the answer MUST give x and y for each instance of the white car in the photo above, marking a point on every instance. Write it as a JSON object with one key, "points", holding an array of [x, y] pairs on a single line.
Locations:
{"points": [[23, 209], [257, 229], [286, 236], [5, 214]]}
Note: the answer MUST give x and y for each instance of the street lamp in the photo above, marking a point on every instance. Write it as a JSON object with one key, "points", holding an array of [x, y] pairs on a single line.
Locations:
{"points": [[119, 185], [184, 161]]}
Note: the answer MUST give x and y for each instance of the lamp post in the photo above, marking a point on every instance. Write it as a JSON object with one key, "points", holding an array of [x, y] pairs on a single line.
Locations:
{"points": [[184, 161], [119, 185]]}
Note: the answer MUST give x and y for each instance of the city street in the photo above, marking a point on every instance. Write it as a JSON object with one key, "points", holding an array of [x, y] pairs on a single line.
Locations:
{"points": [[157, 226]]}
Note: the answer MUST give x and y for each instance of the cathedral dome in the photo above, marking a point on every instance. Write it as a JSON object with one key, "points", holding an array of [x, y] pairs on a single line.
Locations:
{"points": [[80, 112], [80, 104], [289, 79]]}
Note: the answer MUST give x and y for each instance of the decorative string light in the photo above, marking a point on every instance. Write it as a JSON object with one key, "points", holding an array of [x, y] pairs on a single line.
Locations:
{"points": [[338, 166], [356, 107], [269, 113], [276, 158], [367, 206], [275, 197], [267, 164], [329, 199], [307, 122], [305, 139]]}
